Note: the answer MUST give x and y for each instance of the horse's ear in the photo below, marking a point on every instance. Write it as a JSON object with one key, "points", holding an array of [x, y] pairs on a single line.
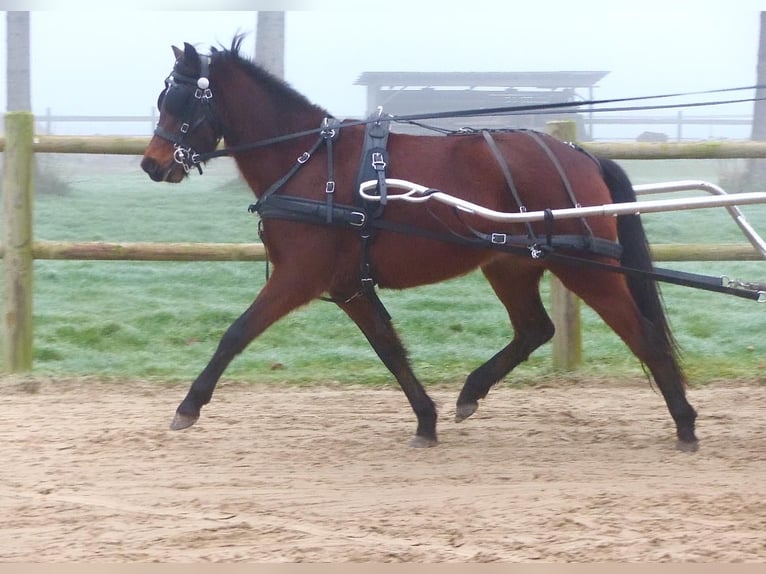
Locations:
{"points": [[191, 58], [187, 60]]}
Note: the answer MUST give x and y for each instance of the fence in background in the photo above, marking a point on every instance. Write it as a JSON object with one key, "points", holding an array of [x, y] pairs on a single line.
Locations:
{"points": [[19, 249], [671, 127]]}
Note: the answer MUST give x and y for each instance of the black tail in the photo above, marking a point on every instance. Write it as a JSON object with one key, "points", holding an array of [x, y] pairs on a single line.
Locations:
{"points": [[636, 254]]}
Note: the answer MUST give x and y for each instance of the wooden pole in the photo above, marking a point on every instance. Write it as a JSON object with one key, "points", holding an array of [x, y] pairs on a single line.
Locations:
{"points": [[17, 240], [135, 145], [756, 170], [565, 306], [270, 42]]}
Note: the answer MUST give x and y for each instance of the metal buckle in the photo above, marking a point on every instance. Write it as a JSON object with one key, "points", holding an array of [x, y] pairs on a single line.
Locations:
{"points": [[362, 219], [204, 95], [330, 187], [329, 132], [378, 163], [536, 252], [498, 238], [305, 156]]}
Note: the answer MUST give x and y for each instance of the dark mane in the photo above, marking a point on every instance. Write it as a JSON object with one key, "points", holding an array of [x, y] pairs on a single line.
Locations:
{"points": [[271, 83]]}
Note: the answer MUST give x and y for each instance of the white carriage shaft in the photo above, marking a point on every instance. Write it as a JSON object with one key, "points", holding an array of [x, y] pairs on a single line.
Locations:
{"points": [[416, 193]]}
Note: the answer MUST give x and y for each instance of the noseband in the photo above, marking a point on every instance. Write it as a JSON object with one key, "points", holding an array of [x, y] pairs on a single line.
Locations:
{"points": [[190, 100]]}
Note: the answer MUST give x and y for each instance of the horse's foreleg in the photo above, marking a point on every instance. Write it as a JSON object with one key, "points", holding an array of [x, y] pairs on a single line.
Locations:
{"points": [[517, 286], [384, 340], [282, 294]]}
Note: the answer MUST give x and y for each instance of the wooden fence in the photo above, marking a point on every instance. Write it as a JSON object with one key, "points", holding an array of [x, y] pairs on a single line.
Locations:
{"points": [[19, 249]]}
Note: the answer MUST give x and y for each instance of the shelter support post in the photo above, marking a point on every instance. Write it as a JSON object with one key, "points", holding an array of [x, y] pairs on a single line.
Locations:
{"points": [[565, 305], [18, 197]]}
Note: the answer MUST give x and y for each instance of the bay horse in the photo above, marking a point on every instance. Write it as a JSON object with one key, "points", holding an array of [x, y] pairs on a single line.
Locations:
{"points": [[266, 125]]}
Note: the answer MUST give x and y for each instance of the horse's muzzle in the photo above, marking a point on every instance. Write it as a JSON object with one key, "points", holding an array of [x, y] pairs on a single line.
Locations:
{"points": [[159, 172]]}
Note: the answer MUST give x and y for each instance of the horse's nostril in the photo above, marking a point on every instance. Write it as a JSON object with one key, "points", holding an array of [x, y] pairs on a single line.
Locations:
{"points": [[151, 167], [148, 165]]}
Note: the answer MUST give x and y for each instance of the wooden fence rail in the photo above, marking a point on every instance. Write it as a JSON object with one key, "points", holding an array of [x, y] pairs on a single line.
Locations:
{"points": [[148, 251], [19, 249], [106, 145]]}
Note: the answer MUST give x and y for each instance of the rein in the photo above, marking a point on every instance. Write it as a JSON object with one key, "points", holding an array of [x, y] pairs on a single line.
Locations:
{"points": [[504, 110], [195, 95]]}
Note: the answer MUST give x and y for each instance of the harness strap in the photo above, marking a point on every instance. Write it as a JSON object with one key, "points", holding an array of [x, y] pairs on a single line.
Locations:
{"points": [[304, 157], [310, 211], [313, 211], [374, 161], [372, 165], [562, 174], [503, 163], [330, 134], [683, 278]]}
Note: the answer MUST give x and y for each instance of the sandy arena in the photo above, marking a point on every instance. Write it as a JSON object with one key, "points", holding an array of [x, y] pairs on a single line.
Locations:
{"points": [[557, 472]]}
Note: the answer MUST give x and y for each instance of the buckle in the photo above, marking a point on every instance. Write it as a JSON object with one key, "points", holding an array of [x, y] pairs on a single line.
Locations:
{"points": [[378, 163], [203, 94], [536, 252], [357, 218], [499, 238]]}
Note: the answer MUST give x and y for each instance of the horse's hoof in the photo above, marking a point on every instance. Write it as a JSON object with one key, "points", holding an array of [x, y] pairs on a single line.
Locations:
{"points": [[182, 421], [423, 442], [464, 411], [687, 446]]}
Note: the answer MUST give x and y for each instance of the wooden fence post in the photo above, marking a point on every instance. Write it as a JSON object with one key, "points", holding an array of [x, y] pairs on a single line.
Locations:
{"points": [[18, 196], [565, 305]]}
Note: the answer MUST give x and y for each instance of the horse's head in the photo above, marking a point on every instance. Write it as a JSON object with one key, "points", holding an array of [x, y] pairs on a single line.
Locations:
{"points": [[187, 126]]}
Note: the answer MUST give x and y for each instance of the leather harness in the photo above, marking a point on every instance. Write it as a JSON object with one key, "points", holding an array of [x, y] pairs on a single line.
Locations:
{"points": [[366, 217]]}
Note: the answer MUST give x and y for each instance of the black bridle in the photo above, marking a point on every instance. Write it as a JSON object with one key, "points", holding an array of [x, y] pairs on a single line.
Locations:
{"points": [[190, 100]]}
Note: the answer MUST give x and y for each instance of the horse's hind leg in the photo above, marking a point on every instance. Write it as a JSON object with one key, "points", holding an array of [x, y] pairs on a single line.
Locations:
{"points": [[384, 340], [608, 295], [517, 284], [286, 290]]}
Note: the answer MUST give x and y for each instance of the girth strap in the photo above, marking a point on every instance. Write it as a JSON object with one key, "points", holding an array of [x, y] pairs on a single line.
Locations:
{"points": [[311, 211], [373, 163]]}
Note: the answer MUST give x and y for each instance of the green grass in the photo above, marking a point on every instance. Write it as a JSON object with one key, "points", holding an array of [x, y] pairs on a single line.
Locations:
{"points": [[164, 320]]}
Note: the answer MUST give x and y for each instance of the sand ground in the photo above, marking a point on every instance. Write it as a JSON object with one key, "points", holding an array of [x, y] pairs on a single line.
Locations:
{"points": [[556, 472]]}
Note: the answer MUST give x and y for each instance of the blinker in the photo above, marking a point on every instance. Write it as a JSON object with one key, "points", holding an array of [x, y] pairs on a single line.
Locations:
{"points": [[178, 99]]}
